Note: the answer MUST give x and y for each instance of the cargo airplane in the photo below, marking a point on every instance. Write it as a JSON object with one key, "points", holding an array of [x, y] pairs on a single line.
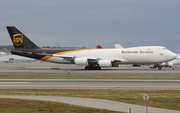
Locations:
{"points": [[92, 59]]}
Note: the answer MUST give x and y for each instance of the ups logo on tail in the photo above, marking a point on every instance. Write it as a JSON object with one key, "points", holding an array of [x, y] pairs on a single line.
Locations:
{"points": [[17, 39]]}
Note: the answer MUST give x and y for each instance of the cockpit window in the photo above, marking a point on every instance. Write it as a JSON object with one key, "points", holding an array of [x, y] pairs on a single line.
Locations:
{"points": [[164, 49]]}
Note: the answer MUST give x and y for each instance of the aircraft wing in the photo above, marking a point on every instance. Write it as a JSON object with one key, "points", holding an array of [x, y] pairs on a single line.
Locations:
{"points": [[90, 59], [65, 57], [68, 57]]}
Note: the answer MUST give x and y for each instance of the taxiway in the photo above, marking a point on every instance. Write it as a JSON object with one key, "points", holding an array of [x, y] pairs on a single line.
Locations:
{"points": [[89, 84]]}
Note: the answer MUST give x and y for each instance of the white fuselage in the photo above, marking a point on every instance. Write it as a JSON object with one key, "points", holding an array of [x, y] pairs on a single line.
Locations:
{"points": [[135, 55]]}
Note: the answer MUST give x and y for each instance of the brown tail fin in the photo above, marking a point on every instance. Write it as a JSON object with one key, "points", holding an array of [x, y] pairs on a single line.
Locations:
{"points": [[19, 39]]}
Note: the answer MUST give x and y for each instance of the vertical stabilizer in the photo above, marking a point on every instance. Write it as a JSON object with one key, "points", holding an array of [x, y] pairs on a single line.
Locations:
{"points": [[19, 39]]}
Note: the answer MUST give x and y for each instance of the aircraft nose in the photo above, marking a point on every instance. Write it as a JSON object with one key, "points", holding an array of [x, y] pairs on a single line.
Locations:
{"points": [[172, 56]]}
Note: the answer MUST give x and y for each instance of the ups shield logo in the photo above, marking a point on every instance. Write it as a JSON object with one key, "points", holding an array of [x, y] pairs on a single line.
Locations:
{"points": [[17, 39]]}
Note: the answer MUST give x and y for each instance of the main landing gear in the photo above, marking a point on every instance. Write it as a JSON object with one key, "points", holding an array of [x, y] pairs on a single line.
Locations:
{"points": [[92, 68], [159, 67]]}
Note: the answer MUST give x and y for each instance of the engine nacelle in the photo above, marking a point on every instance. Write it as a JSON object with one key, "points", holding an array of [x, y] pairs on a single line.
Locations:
{"points": [[81, 61], [170, 64], [105, 63]]}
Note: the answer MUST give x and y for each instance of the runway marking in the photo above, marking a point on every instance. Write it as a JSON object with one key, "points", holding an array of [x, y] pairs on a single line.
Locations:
{"points": [[15, 82]]}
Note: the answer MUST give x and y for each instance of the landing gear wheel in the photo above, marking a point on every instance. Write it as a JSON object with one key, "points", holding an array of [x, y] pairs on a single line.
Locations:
{"points": [[159, 68], [87, 68]]}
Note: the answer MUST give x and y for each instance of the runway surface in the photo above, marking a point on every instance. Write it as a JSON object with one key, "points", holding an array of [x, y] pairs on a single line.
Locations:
{"points": [[89, 84], [62, 69], [95, 103]]}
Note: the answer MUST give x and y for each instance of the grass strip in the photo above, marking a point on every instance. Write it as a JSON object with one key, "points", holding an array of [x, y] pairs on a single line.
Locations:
{"points": [[89, 77], [33, 106], [160, 99]]}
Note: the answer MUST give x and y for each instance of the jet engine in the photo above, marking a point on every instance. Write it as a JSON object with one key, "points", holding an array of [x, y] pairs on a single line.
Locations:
{"points": [[81, 61], [168, 64], [104, 63]]}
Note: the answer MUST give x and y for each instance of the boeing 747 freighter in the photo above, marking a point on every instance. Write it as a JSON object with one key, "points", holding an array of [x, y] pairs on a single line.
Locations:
{"points": [[92, 59]]}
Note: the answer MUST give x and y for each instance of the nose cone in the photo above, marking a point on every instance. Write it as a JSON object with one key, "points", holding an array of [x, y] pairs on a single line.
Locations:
{"points": [[171, 56], [175, 56]]}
